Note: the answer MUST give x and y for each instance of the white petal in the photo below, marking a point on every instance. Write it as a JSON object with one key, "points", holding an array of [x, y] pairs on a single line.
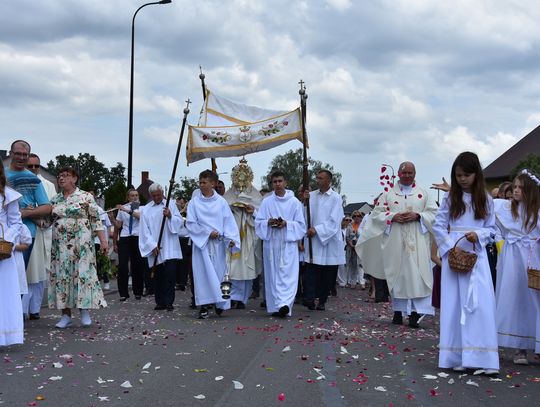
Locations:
{"points": [[380, 388], [126, 384], [147, 366], [218, 378], [237, 385], [199, 397]]}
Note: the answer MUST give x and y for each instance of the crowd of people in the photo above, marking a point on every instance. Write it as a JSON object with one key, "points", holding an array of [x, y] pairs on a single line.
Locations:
{"points": [[224, 243]]}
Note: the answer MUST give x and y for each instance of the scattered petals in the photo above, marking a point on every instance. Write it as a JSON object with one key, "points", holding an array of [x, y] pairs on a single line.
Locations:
{"points": [[55, 378], [126, 384], [471, 383], [58, 365], [430, 377], [237, 385], [199, 397], [146, 366], [380, 388], [286, 349], [218, 378]]}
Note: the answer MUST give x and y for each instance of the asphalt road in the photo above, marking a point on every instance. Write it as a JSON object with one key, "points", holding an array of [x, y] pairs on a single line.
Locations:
{"points": [[348, 355]]}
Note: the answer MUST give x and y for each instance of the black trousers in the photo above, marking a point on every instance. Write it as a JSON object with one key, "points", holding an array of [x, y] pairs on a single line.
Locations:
{"points": [[99, 265], [318, 281], [184, 264], [381, 290], [129, 254], [164, 279]]}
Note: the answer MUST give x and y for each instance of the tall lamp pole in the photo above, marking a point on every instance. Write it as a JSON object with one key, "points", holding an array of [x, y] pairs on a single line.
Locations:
{"points": [[130, 137]]}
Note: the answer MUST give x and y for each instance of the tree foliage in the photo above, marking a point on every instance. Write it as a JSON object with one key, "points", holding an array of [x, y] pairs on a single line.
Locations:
{"points": [[184, 189], [531, 162], [291, 163], [107, 182]]}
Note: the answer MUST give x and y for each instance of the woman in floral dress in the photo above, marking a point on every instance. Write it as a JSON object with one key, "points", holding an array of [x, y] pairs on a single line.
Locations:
{"points": [[73, 280]]}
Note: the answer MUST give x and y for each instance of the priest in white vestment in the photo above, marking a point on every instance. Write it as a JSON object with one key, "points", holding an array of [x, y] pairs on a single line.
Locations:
{"points": [[244, 200], [39, 264], [326, 239], [169, 252], [403, 217], [280, 224], [214, 236]]}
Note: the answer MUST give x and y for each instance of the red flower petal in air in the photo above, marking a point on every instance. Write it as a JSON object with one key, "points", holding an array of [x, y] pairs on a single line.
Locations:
{"points": [[396, 202], [383, 169], [381, 177], [382, 183], [387, 177], [414, 185], [388, 222], [391, 185], [420, 196], [385, 189]]}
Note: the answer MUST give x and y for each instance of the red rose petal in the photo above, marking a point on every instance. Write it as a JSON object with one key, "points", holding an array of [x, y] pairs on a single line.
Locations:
{"points": [[420, 196], [388, 222], [383, 169]]}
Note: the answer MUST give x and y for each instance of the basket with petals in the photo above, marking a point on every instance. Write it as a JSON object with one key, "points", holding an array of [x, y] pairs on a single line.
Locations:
{"points": [[461, 261], [533, 271], [5, 247]]}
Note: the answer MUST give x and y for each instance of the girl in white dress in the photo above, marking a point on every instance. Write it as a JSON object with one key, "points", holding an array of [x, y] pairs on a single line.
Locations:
{"points": [[468, 330], [11, 315], [518, 314]]}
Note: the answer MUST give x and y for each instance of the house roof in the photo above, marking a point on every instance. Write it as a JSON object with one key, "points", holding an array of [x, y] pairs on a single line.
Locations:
{"points": [[503, 166], [350, 208]]}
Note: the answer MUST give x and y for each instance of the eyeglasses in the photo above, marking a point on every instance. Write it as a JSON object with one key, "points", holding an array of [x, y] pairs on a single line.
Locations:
{"points": [[357, 216], [33, 166], [64, 175]]}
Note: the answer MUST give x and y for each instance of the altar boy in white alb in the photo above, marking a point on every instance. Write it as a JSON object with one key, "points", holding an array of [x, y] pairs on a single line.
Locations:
{"points": [[169, 252], [280, 224], [213, 231]]}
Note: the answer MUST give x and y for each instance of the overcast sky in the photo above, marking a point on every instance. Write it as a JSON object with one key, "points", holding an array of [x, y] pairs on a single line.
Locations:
{"points": [[387, 81]]}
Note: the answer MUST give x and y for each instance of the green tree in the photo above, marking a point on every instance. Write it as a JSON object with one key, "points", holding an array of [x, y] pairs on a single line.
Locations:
{"points": [[115, 194], [531, 162], [185, 188], [291, 163]]}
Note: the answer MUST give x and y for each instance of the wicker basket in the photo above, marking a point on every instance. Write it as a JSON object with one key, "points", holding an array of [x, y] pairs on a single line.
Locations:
{"points": [[533, 278], [461, 261], [5, 247]]}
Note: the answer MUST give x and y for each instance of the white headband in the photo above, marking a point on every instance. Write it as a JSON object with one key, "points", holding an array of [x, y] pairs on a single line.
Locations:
{"points": [[531, 176]]}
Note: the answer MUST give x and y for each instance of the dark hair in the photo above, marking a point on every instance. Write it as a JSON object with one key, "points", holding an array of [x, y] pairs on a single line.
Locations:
{"points": [[208, 174], [69, 170], [278, 173], [530, 197], [3, 182], [220, 182], [470, 164], [33, 155], [20, 141], [327, 172]]}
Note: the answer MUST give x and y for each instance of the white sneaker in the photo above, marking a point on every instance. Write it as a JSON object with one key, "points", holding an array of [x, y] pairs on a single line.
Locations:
{"points": [[85, 318], [491, 372], [64, 322], [520, 358], [106, 286]]}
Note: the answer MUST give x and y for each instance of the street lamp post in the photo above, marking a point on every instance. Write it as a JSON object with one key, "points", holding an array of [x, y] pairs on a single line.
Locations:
{"points": [[130, 137]]}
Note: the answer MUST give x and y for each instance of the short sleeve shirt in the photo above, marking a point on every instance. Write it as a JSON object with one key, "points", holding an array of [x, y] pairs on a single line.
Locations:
{"points": [[30, 187]]}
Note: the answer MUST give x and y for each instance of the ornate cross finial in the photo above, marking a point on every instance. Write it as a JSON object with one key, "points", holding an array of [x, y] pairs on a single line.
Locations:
{"points": [[302, 90], [186, 110], [301, 83]]}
